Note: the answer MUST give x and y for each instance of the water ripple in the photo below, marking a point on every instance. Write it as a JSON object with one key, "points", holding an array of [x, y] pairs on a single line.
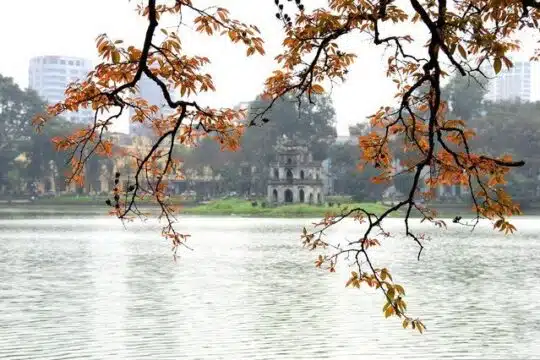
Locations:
{"points": [[89, 289]]}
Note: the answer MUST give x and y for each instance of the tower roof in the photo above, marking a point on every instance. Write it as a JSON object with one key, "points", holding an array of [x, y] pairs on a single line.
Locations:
{"points": [[286, 144]]}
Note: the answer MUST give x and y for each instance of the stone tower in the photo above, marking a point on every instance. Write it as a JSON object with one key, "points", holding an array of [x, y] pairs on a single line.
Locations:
{"points": [[294, 176]]}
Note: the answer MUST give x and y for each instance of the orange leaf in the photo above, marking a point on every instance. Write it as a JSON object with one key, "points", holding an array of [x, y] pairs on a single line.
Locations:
{"points": [[317, 89]]}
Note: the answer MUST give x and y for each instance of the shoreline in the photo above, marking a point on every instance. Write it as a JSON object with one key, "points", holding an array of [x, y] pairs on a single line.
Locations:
{"points": [[244, 208]]}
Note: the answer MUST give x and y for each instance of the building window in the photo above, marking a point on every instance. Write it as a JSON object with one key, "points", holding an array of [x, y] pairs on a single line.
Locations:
{"points": [[289, 176], [78, 63], [52, 70], [63, 62], [302, 174], [54, 77], [276, 174], [70, 62]]}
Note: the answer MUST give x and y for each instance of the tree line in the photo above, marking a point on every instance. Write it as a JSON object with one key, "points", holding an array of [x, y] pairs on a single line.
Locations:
{"points": [[25, 155], [28, 156], [508, 127], [500, 128]]}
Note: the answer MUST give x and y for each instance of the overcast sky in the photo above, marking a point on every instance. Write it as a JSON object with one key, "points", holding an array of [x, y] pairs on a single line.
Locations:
{"points": [[69, 27]]}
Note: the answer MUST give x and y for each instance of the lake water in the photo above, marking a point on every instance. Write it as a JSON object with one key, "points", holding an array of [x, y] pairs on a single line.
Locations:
{"points": [[78, 285]]}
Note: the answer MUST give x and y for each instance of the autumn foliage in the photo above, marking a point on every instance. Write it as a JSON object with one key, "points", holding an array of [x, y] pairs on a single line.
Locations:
{"points": [[464, 36]]}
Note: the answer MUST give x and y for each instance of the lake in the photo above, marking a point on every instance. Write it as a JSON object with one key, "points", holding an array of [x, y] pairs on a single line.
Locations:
{"points": [[75, 284]]}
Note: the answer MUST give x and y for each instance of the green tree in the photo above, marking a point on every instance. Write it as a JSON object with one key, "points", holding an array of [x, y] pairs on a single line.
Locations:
{"points": [[512, 128], [313, 123], [465, 95], [41, 151], [348, 179], [25, 154], [17, 108], [403, 182]]}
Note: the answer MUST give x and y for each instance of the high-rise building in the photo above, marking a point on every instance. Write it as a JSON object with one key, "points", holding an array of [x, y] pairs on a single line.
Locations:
{"points": [[49, 76], [521, 82]]}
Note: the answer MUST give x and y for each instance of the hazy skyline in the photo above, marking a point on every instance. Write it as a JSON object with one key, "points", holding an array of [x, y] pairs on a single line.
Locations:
{"points": [[69, 27]]}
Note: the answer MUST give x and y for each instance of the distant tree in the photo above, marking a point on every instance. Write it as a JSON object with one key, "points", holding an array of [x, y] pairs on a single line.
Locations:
{"points": [[25, 154], [16, 113], [18, 139], [403, 181], [312, 123], [465, 96], [360, 129], [512, 128], [41, 150], [348, 179]]}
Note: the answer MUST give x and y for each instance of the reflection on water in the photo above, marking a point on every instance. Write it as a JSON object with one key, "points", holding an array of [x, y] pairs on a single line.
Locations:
{"points": [[86, 288]]}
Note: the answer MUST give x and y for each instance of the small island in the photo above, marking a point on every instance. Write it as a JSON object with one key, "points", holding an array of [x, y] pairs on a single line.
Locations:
{"points": [[261, 209]]}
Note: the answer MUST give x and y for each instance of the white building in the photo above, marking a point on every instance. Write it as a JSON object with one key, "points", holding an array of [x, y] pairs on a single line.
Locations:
{"points": [[522, 82], [49, 76], [294, 176]]}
